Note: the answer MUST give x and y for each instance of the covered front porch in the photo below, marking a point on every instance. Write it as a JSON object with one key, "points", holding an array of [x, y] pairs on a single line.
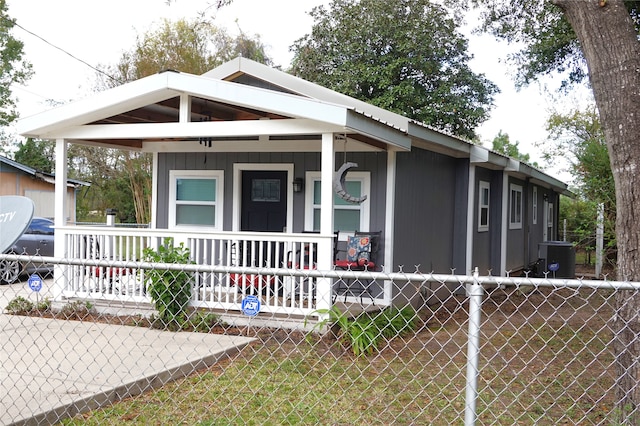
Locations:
{"points": [[231, 150], [108, 269]]}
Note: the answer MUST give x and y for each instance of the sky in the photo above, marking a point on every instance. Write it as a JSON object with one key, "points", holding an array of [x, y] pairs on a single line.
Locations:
{"points": [[63, 36]]}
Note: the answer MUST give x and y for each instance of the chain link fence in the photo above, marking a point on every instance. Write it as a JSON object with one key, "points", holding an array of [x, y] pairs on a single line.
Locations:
{"points": [[453, 350]]}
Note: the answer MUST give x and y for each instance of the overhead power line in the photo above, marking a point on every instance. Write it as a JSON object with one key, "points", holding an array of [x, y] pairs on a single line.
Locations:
{"points": [[66, 52]]}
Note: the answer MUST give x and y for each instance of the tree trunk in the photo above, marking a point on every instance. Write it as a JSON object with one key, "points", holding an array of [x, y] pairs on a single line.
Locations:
{"points": [[610, 45], [138, 169]]}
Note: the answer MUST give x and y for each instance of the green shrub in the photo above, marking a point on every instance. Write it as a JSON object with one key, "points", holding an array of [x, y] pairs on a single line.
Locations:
{"points": [[203, 321], [78, 309], [170, 291], [364, 333], [43, 305], [19, 306]]}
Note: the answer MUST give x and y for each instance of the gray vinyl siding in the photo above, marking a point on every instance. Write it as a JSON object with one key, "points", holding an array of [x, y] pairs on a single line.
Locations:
{"points": [[535, 229], [516, 244], [486, 244], [426, 211], [375, 163]]}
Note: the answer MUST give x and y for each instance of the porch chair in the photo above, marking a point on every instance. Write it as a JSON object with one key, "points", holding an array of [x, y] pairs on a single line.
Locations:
{"points": [[360, 255]]}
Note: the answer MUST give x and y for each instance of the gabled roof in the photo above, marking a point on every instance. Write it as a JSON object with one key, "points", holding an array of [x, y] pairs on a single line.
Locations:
{"points": [[180, 106], [278, 80], [47, 177], [241, 105]]}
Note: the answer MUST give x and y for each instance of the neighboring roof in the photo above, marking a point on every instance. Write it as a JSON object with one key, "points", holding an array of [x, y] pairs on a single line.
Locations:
{"points": [[47, 177], [242, 102]]}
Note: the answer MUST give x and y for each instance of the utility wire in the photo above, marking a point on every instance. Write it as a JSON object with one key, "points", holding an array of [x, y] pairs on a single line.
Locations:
{"points": [[67, 53]]}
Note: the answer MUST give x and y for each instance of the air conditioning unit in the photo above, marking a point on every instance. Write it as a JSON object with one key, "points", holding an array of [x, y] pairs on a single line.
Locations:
{"points": [[558, 259]]}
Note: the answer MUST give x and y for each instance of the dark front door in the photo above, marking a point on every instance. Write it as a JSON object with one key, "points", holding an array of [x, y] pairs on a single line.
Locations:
{"points": [[264, 201]]}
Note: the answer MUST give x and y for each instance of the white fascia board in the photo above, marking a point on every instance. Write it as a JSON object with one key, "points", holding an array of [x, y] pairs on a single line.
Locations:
{"points": [[258, 98], [513, 165], [432, 136], [379, 131], [231, 68], [146, 91], [303, 87], [196, 129], [478, 154], [492, 160]]}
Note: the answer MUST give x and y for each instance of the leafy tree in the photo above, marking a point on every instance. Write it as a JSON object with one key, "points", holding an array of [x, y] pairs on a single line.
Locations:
{"points": [[189, 46], [502, 144], [598, 40], [577, 137], [13, 68], [37, 154], [405, 56]]}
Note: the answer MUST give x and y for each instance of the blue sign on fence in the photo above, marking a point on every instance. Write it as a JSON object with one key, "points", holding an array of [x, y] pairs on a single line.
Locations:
{"points": [[35, 282], [251, 305]]}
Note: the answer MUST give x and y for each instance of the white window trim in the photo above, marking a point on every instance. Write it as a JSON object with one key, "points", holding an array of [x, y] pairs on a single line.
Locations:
{"points": [[483, 185], [534, 212], [196, 174], [515, 189], [364, 207]]}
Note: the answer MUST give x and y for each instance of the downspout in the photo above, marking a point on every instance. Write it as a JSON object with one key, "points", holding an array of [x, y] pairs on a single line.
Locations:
{"points": [[154, 192], [505, 223], [470, 218], [526, 223]]}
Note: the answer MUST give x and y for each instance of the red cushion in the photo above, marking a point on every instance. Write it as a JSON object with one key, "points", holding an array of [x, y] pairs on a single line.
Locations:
{"points": [[360, 265]]}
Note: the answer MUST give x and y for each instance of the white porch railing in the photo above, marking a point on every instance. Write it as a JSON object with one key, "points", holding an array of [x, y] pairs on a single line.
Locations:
{"points": [[224, 288]]}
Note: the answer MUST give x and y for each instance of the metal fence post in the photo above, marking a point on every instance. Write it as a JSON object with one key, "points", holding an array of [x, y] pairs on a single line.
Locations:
{"points": [[475, 291]]}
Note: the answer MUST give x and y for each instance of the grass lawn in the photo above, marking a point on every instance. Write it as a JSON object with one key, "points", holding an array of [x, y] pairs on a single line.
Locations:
{"points": [[545, 359]]}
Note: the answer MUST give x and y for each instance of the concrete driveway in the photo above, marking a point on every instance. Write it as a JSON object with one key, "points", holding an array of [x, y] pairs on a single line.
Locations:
{"points": [[54, 369]]}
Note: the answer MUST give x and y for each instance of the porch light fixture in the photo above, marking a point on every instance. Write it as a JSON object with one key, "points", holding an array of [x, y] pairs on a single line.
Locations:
{"points": [[298, 184]]}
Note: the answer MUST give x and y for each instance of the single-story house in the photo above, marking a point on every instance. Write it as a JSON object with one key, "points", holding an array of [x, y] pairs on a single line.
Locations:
{"points": [[251, 164], [18, 179]]}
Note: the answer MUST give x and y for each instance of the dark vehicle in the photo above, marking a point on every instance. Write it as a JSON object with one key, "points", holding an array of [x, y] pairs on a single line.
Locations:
{"points": [[36, 241]]}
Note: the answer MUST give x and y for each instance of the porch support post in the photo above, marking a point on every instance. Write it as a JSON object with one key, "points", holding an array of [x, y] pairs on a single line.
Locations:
{"points": [[325, 248], [60, 207], [389, 222], [60, 212], [327, 166]]}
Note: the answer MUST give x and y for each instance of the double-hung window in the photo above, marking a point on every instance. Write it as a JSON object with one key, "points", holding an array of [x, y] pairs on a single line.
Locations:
{"points": [[483, 205], [195, 198], [515, 206], [347, 217]]}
